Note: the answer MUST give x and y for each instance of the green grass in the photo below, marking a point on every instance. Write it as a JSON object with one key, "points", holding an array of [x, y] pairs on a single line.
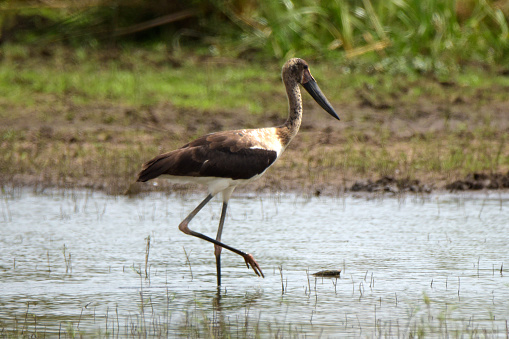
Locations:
{"points": [[433, 36], [203, 87], [131, 79]]}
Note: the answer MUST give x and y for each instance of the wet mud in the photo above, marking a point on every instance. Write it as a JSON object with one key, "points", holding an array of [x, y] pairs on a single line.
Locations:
{"points": [[472, 182], [391, 185], [480, 181]]}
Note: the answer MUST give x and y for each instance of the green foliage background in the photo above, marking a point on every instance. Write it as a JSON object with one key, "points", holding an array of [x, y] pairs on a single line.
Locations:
{"points": [[433, 35]]}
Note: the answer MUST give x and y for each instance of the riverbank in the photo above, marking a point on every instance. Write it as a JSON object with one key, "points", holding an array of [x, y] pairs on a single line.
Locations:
{"points": [[89, 118]]}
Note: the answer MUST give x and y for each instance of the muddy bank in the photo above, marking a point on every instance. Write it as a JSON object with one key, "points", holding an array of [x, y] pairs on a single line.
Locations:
{"points": [[271, 184], [392, 185], [391, 129], [323, 159], [479, 181], [472, 182]]}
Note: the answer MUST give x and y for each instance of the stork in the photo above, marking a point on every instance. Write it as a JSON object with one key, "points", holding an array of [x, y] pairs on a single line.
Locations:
{"points": [[223, 160]]}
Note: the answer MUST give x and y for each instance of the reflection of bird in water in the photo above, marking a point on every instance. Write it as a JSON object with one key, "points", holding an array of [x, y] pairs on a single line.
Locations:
{"points": [[223, 160]]}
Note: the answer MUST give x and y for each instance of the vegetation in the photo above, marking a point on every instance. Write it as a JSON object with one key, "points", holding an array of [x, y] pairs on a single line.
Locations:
{"points": [[425, 318], [90, 90], [420, 35], [69, 119]]}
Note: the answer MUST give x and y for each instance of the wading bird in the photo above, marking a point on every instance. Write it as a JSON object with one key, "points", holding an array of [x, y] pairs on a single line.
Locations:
{"points": [[223, 160]]}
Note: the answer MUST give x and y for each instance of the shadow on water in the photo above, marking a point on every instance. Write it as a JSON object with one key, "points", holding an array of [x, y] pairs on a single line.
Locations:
{"points": [[80, 262]]}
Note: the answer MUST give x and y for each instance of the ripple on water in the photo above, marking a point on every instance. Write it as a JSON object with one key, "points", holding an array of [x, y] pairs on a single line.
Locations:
{"points": [[404, 260]]}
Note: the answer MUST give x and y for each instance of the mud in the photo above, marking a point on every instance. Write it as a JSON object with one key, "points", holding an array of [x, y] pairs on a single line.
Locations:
{"points": [[479, 181], [391, 185]]}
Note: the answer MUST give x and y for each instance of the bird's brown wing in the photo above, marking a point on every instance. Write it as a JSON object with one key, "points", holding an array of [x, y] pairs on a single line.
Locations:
{"points": [[225, 154]]}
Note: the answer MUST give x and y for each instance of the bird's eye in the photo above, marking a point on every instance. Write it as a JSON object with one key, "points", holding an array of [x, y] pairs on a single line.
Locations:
{"points": [[306, 67]]}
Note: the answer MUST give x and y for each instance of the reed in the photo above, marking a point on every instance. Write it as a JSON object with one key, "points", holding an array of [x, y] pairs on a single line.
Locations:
{"points": [[147, 252], [188, 262], [427, 36]]}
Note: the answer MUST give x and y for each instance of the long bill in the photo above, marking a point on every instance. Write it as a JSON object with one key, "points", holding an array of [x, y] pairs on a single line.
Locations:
{"points": [[312, 88]]}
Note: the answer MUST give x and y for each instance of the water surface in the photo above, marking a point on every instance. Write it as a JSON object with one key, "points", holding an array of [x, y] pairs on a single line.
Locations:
{"points": [[411, 264]]}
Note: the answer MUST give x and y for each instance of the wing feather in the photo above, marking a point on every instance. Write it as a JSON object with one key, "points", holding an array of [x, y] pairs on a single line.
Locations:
{"points": [[225, 154]]}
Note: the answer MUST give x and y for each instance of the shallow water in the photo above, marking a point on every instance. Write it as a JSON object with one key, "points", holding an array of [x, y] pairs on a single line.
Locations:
{"points": [[433, 265]]}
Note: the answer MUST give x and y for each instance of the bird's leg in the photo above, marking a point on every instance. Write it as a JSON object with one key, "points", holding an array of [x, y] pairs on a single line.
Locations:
{"points": [[217, 249], [248, 258], [183, 225]]}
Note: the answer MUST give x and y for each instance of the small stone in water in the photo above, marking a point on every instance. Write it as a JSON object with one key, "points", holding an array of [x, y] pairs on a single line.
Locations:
{"points": [[328, 273]]}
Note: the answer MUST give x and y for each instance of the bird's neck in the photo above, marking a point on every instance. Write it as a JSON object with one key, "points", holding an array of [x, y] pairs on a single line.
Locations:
{"points": [[290, 128]]}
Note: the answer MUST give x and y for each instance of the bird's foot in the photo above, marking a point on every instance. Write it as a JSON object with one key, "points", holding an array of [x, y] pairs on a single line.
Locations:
{"points": [[254, 265]]}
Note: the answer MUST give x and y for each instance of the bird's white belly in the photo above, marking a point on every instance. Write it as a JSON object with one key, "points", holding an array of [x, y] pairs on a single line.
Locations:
{"points": [[213, 184]]}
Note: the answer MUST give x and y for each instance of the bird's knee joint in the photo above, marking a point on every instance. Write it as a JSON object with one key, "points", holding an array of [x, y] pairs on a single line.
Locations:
{"points": [[184, 228]]}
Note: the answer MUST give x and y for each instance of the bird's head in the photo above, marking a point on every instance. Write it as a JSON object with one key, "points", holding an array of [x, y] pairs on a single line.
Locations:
{"points": [[298, 70]]}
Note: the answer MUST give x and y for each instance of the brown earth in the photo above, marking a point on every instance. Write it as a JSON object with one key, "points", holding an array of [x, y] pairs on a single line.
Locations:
{"points": [[479, 181], [383, 143], [106, 157]]}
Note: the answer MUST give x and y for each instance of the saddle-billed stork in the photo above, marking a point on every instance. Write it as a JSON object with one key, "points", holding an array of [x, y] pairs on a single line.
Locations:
{"points": [[223, 160]]}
